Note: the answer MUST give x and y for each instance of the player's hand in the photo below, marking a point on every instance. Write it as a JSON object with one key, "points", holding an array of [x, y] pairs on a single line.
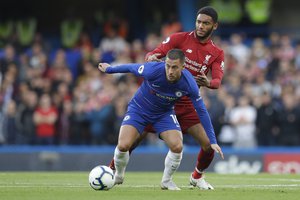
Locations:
{"points": [[154, 58], [102, 66], [202, 80], [217, 149]]}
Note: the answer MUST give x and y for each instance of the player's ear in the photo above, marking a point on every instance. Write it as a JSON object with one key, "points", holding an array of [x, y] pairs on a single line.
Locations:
{"points": [[215, 26]]}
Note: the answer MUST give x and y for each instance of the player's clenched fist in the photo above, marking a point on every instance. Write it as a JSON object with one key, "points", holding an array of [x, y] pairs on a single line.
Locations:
{"points": [[102, 66]]}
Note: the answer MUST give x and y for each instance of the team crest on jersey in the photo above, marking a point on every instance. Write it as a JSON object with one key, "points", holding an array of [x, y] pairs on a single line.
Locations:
{"points": [[178, 94], [127, 117], [166, 40], [207, 57], [141, 69]]}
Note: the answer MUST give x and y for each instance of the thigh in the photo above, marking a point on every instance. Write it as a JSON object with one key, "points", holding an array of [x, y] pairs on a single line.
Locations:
{"points": [[187, 117], [135, 119], [199, 134], [127, 136]]}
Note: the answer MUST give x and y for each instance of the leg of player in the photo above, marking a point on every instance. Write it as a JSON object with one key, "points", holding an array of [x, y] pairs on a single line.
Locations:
{"points": [[205, 157], [135, 144], [173, 139], [128, 134]]}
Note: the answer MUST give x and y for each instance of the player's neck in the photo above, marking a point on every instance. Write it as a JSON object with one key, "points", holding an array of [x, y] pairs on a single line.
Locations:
{"points": [[202, 40]]}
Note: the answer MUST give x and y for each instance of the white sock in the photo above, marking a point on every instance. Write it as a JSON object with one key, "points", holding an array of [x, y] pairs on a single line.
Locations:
{"points": [[121, 161], [172, 163]]}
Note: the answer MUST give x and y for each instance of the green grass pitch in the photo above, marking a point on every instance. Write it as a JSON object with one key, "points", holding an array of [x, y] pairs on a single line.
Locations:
{"points": [[145, 185]]}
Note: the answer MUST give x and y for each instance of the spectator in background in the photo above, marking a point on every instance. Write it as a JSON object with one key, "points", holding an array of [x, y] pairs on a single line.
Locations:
{"points": [[111, 45], [79, 127], [9, 57], [287, 51], [227, 133], [242, 118], [171, 26], [25, 113], [38, 59], [119, 24], [238, 49], [267, 129], [297, 56], [119, 109], [289, 121], [10, 129], [64, 122], [44, 118], [7, 92]]}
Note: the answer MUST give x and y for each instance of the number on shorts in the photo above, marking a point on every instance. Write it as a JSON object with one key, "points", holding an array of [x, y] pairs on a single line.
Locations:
{"points": [[174, 119]]}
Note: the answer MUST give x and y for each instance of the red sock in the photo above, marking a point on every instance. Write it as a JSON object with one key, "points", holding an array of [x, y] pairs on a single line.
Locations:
{"points": [[112, 162], [204, 160]]}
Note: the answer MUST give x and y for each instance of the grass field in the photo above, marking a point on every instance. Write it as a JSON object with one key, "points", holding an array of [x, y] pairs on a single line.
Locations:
{"points": [[138, 185]]}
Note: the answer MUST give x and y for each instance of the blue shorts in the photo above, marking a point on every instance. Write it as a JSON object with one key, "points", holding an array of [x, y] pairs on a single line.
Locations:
{"points": [[163, 122]]}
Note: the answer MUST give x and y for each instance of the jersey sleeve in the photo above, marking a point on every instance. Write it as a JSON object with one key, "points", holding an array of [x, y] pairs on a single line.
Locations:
{"points": [[202, 112], [169, 43], [217, 71], [145, 70]]}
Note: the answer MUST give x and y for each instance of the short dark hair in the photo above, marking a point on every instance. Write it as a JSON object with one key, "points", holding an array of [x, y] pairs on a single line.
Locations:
{"points": [[175, 54], [210, 11]]}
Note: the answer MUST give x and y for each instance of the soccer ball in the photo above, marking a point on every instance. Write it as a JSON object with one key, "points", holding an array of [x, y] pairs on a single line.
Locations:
{"points": [[101, 178]]}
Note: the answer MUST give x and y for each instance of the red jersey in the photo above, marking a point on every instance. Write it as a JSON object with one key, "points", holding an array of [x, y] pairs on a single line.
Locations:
{"points": [[45, 129], [199, 57]]}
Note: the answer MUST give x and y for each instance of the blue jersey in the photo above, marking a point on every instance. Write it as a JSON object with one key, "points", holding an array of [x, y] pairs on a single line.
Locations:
{"points": [[157, 95]]}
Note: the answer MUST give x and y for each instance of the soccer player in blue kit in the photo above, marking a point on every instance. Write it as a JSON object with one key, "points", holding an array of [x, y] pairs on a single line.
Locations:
{"points": [[153, 103]]}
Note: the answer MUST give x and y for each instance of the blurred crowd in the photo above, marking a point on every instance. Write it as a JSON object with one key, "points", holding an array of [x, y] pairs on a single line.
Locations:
{"points": [[58, 96]]}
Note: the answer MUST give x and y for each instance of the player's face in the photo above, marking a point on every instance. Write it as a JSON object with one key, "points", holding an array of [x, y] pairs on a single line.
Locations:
{"points": [[205, 26], [173, 69]]}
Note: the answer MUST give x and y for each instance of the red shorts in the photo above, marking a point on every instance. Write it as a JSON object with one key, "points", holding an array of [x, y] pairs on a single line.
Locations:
{"points": [[186, 116]]}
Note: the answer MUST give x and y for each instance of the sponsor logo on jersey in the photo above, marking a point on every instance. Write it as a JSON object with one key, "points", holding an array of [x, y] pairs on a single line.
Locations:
{"points": [[141, 69], [166, 40], [189, 51], [169, 98]]}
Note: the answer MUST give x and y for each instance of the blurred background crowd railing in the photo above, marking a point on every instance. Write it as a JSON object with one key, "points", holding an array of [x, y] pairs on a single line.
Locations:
{"points": [[52, 93]]}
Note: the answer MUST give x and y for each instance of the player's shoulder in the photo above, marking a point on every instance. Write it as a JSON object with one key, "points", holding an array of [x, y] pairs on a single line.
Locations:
{"points": [[154, 64], [186, 72], [154, 68], [190, 82], [187, 75], [181, 35], [215, 47]]}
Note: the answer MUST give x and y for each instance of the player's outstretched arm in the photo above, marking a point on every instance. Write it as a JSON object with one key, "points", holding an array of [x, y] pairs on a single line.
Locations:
{"points": [[103, 66], [217, 149]]}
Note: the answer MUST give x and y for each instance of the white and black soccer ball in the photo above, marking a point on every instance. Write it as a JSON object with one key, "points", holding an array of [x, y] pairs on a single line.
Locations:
{"points": [[101, 178]]}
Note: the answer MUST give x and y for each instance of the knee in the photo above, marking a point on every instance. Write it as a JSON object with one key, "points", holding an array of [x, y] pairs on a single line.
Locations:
{"points": [[123, 147], [176, 148]]}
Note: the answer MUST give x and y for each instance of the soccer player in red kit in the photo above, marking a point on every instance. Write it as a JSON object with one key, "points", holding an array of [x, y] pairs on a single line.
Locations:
{"points": [[202, 56]]}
